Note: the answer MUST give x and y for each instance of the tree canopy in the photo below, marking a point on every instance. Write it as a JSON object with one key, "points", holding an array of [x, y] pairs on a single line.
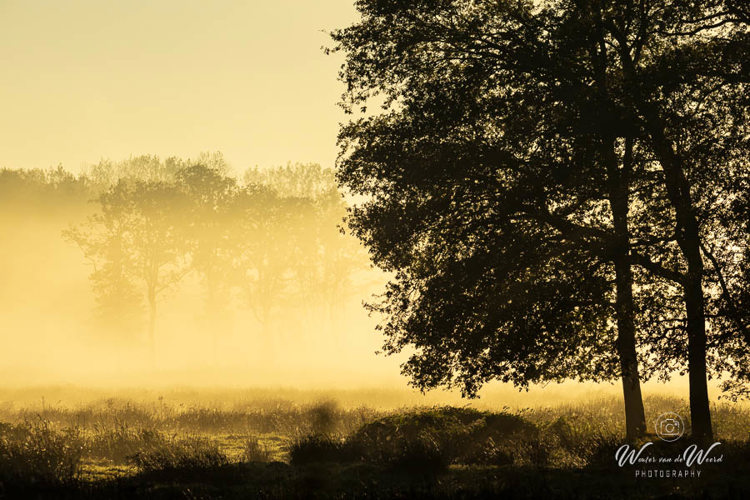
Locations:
{"points": [[527, 158]]}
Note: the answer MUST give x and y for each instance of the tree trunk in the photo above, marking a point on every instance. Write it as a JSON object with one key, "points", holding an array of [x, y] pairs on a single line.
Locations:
{"points": [[700, 411], [619, 190], [212, 317], [618, 182], [635, 420], [688, 238], [152, 321]]}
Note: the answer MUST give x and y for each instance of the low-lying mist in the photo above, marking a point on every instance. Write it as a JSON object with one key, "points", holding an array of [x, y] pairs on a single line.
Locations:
{"points": [[150, 273]]}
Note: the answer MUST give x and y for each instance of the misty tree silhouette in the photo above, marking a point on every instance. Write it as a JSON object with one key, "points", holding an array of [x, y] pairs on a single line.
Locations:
{"points": [[135, 243], [275, 240]]}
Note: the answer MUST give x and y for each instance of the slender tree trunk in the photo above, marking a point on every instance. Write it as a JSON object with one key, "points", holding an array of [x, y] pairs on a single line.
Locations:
{"points": [[688, 238], [700, 411], [618, 187], [635, 420], [212, 317], [152, 321], [618, 182]]}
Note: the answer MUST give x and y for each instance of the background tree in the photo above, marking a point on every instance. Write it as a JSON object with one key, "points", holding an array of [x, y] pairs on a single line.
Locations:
{"points": [[322, 261], [271, 248], [265, 251], [339, 259], [208, 226], [135, 241], [105, 241]]}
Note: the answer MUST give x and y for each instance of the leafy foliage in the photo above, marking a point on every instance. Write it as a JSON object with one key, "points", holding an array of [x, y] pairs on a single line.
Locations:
{"points": [[510, 135]]}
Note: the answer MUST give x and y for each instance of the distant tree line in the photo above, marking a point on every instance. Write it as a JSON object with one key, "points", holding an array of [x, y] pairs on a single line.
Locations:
{"points": [[270, 242]]}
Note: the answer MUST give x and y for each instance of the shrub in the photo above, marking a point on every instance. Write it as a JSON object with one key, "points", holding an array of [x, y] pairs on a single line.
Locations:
{"points": [[428, 441], [323, 417], [255, 451], [120, 443], [317, 448], [188, 454], [33, 452], [576, 441], [449, 435], [421, 455]]}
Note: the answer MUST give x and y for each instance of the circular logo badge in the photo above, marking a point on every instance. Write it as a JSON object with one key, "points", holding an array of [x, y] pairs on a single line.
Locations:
{"points": [[669, 426]]}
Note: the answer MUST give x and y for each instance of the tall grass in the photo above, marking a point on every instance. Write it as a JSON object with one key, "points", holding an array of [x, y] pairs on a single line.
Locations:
{"points": [[256, 451], [53, 445], [265, 417], [181, 455], [33, 452], [121, 442]]}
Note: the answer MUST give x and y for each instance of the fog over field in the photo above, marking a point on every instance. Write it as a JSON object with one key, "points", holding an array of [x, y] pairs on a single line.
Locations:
{"points": [[139, 92], [57, 331], [257, 287], [59, 328]]}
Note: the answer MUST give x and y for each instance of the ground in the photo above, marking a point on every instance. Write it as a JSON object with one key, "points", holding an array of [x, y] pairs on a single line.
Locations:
{"points": [[276, 448]]}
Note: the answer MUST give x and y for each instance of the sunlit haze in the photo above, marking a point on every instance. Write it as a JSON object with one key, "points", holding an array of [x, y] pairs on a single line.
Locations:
{"points": [[136, 91], [84, 80]]}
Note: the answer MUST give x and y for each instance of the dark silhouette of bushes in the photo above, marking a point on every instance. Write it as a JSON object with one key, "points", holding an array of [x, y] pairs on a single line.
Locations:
{"points": [[34, 453], [443, 451], [457, 435], [427, 440], [122, 442], [320, 448], [189, 454]]}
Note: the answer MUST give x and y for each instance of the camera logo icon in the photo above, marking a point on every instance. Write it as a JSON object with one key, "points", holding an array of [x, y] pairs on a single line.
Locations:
{"points": [[669, 426]]}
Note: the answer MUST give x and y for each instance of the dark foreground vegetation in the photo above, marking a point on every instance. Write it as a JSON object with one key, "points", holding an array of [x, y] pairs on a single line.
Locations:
{"points": [[279, 449]]}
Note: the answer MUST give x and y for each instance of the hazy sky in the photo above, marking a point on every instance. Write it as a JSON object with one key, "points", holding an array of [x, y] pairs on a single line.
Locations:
{"points": [[88, 79]]}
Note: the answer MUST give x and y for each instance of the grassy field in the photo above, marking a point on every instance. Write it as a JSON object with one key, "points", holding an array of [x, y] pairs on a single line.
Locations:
{"points": [[162, 447]]}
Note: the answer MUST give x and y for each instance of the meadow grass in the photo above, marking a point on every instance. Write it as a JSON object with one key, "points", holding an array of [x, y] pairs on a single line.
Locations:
{"points": [[122, 438]]}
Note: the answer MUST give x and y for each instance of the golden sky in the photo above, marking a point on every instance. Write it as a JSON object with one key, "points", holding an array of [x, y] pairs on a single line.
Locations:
{"points": [[83, 80]]}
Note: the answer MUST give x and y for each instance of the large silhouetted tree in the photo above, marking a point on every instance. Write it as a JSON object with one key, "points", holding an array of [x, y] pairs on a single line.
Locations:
{"points": [[679, 79], [477, 190], [518, 150]]}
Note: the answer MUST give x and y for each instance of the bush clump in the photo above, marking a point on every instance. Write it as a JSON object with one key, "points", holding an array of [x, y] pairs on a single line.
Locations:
{"points": [[319, 448], [428, 440], [188, 454], [446, 435], [33, 452], [120, 443]]}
